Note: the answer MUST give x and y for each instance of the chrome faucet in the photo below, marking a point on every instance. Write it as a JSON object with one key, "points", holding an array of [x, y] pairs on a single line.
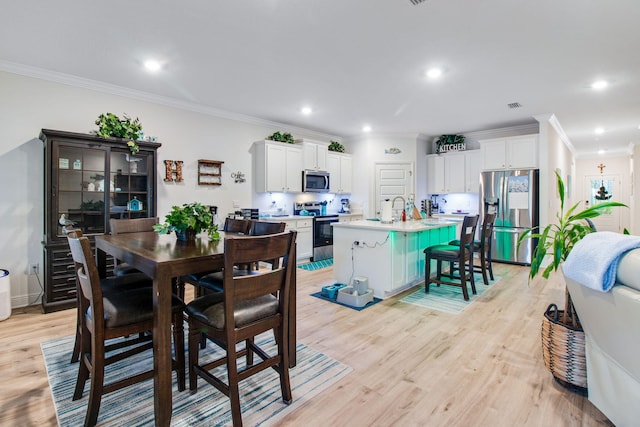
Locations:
{"points": [[404, 203]]}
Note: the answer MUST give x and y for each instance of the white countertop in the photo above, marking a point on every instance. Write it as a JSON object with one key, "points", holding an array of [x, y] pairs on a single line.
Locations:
{"points": [[407, 226], [290, 217]]}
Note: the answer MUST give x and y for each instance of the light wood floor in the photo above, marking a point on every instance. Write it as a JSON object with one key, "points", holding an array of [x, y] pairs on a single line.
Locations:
{"points": [[411, 366]]}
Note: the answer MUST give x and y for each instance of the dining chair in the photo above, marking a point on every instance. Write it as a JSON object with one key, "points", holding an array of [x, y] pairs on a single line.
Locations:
{"points": [[133, 225], [483, 248], [107, 316], [462, 254], [251, 304], [109, 285], [201, 280]]}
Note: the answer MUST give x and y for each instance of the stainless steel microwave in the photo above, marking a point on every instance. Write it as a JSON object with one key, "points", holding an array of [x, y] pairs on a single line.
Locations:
{"points": [[315, 181]]}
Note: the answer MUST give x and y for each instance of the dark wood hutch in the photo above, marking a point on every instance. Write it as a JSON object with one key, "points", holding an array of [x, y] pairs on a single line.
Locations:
{"points": [[88, 180]]}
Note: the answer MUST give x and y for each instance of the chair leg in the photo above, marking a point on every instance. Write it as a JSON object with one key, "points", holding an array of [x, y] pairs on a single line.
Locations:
{"points": [[75, 355], [438, 271], [194, 348], [83, 367], [234, 392], [483, 265], [490, 265], [283, 369], [471, 275], [178, 348], [427, 273], [97, 384]]}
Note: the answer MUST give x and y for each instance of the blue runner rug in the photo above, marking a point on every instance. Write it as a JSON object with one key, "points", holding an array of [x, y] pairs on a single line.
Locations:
{"points": [[260, 395], [316, 265]]}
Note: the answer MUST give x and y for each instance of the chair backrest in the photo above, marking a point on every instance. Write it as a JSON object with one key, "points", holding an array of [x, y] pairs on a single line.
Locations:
{"points": [[119, 226], [233, 225], [487, 232], [468, 231], [262, 228], [247, 250], [89, 288]]}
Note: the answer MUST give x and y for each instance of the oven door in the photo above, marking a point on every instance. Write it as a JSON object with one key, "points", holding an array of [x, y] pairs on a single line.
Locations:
{"points": [[322, 230]]}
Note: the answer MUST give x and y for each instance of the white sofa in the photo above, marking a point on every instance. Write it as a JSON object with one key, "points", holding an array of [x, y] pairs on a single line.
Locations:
{"points": [[611, 322]]}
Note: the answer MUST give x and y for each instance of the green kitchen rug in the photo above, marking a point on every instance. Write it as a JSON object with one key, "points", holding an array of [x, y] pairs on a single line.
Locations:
{"points": [[445, 298], [316, 265]]}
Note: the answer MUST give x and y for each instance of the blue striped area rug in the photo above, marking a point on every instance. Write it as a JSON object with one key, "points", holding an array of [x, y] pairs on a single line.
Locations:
{"points": [[316, 265], [260, 395], [445, 298]]}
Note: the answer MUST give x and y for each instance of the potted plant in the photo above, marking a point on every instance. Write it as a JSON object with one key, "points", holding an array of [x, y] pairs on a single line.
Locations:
{"points": [[562, 335], [189, 220], [282, 137], [111, 125], [336, 146]]}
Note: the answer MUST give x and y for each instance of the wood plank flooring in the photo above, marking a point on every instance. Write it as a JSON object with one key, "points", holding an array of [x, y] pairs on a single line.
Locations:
{"points": [[412, 366]]}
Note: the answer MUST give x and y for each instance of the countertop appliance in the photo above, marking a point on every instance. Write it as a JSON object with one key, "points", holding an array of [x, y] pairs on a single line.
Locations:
{"points": [[514, 196], [322, 229], [315, 181], [346, 206]]}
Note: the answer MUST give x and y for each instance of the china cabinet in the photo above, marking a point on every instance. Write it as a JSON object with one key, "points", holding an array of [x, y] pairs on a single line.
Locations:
{"points": [[88, 180]]}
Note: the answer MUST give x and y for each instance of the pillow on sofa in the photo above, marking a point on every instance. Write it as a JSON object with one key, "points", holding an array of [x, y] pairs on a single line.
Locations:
{"points": [[629, 269]]}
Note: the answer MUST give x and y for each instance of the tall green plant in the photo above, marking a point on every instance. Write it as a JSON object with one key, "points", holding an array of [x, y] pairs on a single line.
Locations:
{"points": [[557, 239]]}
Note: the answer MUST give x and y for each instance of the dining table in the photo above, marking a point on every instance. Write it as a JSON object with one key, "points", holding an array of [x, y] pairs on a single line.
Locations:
{"points": [[163, 258]]}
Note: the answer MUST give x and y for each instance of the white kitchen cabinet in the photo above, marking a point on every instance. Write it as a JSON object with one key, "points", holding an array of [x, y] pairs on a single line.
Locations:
{"points": [[278, 167], [304, 238], [339, 166], [517, 152], [473, 166], [315, 155], [446, 173]]}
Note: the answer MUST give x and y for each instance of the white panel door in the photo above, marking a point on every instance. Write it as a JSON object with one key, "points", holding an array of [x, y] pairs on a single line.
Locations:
{"points": [[393, 179]]}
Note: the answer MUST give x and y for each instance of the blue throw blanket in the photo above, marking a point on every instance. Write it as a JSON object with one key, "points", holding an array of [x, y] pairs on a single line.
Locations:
{"points": [[593, 261]]}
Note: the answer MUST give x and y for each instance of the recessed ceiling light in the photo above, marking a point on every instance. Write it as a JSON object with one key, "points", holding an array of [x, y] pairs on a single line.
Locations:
{"points": [[600, 84], [306, 110], [434, 73], [601, 151], [599, 131], [152, 65], [366, 128]]}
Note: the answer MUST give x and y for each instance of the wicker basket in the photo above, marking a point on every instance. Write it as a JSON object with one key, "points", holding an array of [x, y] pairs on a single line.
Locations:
{"points": [[563, 349]]}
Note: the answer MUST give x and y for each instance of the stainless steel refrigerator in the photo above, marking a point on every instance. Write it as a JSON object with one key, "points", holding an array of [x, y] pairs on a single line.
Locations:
{"points": [[513, 195]]}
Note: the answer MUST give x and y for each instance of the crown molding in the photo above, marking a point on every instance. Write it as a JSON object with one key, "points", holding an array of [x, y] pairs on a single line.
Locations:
{"points": [[81, 82]]}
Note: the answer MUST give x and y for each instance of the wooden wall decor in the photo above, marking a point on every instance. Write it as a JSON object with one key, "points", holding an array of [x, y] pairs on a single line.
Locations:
{"points": [[209, 172], [173, 170]]}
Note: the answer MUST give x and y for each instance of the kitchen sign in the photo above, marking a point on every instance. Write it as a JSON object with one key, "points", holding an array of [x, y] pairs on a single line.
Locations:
{"points": [[446, 143]]}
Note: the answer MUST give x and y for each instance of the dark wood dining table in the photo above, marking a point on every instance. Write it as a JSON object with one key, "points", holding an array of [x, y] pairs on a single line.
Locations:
{"points": [[163, 258]]}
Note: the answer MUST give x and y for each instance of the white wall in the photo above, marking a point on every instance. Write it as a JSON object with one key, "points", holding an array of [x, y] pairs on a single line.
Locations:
{"points": [[28, 105], [370, 149]]}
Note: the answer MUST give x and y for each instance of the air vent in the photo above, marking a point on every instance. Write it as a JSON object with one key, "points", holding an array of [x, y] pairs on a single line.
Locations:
{"points": [[416, 2], [514, 105]]}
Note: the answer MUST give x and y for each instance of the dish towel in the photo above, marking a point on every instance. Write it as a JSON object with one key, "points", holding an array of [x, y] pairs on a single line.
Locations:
{"points": [[593, 261]]}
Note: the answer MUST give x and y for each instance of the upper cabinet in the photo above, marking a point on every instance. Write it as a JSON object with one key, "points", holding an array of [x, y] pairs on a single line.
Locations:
{"points": [[446, 173], [339, 168], [315, 155], [517, 152], [278, 167], [455, 172]]}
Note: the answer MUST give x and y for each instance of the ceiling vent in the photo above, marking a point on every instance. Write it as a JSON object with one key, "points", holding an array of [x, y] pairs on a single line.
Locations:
{"points": [[416, 2], [514, 105]]}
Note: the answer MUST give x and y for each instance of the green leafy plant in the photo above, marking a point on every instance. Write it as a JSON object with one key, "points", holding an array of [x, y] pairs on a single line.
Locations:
{"points": [[281, 137], [557, 239], [110, 125], [193, 216], [336, 146]]}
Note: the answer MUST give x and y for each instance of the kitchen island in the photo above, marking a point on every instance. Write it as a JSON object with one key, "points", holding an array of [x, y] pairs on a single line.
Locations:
{"points": [[390, 255]]}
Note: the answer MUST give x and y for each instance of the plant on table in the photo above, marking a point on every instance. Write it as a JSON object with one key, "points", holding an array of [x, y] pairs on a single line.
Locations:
{"points": [[111, 125], [194, 217]]}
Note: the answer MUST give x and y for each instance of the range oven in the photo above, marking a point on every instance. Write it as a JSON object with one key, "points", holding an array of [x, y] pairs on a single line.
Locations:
{"points": [[323, 236], [322, 229]]}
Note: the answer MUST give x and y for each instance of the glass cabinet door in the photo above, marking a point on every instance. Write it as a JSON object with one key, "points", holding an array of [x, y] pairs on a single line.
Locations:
{"points": [[130, 196], [81, 200]]}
